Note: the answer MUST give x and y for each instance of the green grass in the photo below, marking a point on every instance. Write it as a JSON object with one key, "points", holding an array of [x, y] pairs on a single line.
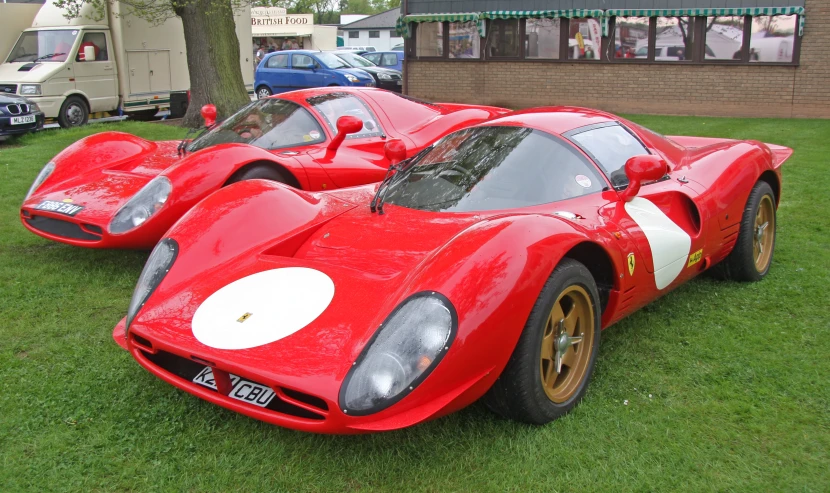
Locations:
{"points": [[728, 385]]}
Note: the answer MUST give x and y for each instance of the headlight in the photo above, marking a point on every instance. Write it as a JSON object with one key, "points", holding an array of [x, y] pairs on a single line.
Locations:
{"points": [[33, 106], [157, 266], [142, 206], [351, 78], [403, 351], [43, 175], [30, 89], [384, 76]]}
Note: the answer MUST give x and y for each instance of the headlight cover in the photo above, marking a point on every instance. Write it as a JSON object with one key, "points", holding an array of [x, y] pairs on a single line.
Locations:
{"points": [[41, 177], [30, 89], [142, 206], [157, 266], [405, 349], [351, 78], [384, 76]]}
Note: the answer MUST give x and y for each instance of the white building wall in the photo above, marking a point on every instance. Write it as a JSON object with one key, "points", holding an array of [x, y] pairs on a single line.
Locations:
{"points": [[388, 39]]}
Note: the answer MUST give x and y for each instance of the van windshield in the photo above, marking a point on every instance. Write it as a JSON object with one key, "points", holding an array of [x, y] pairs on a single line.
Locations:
{"points": [[43, 46]]}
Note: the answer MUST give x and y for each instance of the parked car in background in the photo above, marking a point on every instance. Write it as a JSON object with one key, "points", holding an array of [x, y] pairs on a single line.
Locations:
{"points": [[385, 78], [397, 47], [386, 59], [300, 69], [18, 116], [358, 48]]}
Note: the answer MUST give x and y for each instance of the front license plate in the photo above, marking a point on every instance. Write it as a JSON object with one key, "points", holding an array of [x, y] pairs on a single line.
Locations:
{"points": [[243, 390], [22, 120], [59, 207]]}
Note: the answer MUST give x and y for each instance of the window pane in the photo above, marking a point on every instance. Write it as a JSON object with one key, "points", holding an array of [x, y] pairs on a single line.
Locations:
{"points": [[374, 34], [584, 39], [464, 40], [631, 36], [98, 42], [772, 38], [674, 39], [334, 105], [610, 147], [278, 61], [503, 38], [724, 37], [430, 39], [542, 38], [354, 34]]}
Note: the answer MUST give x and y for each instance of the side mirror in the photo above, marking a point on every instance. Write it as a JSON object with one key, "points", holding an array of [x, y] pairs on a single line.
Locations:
{"points": [[89, 53], [640, 169], [209, 114], [345, 125], [395, 151]]}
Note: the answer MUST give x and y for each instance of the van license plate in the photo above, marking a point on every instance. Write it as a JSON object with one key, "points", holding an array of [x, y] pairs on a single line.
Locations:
{"points": [[22, 120], [243, 390]]}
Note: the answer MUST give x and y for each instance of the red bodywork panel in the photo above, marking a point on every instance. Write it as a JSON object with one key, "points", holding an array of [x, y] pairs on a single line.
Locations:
{"points": [[102, 172], [490, 265]]}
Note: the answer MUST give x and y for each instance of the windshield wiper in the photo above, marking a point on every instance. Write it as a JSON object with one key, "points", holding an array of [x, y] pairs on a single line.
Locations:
{"points": [[181, 149], [50, 55]]}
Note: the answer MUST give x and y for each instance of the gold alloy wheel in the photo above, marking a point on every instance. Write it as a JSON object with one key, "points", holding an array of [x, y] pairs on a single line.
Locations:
{"points": [[566, 344], [764, 234]]}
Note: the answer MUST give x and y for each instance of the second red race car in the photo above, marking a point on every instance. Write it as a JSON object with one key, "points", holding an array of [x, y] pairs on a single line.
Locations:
{"points": [[485, 266], [116, 190]]}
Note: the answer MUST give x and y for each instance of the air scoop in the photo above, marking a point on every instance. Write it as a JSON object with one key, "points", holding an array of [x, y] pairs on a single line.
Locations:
{"points": [[262, 308]]}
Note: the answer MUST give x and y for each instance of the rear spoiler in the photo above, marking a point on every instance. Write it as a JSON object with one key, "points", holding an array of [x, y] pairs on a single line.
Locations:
{"points": [[779, 154]]}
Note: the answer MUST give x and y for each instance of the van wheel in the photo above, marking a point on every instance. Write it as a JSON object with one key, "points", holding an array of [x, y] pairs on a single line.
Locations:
{"points": [[263, 92], [74, 113]]}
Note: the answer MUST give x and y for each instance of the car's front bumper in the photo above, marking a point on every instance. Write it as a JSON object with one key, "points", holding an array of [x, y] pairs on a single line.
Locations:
{"points": [[79, 232], [391, 85], [7, 129]]}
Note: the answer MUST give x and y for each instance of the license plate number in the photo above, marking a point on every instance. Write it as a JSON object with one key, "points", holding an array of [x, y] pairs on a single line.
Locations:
{"points": [[243, 390], [22, 120], [59, 207]]}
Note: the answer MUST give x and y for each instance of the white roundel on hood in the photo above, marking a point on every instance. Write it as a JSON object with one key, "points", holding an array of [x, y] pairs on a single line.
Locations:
{"points": [[262, 308]]}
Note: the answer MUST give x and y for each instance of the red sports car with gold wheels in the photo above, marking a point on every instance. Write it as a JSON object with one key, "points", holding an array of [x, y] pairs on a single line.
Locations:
{"points": [[485, 266], [116, 190]]}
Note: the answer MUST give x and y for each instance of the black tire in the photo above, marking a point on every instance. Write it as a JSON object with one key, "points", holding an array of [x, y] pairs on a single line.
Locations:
{"points": [[74, 113], [261, 172], [519, 393], [263, 92], [142, 115], [742, 264]]}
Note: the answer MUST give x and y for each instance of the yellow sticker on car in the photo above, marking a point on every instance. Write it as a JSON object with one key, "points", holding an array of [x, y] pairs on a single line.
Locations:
{"points": [[695, 258], [244, 317], [631, 264]]}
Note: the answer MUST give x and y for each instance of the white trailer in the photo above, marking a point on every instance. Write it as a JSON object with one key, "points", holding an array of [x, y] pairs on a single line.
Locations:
{"points": [[16, 17], [120, 64]]}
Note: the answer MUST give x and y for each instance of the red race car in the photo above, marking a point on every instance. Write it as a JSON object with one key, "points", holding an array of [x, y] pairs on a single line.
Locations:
{"points": [[486, 265], [116, 190]]}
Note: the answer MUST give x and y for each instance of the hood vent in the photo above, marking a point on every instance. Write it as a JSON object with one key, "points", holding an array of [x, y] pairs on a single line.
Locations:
{"points": [[27, 67]]}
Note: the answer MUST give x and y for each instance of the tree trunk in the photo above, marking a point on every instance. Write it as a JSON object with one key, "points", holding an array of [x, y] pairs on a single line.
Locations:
{"points": [[212, 58]]}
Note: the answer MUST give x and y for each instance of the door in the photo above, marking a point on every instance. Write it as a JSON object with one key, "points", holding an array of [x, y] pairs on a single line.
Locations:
{"points": [[95, 72], [159, 65], [138, 66], [662, 222], [305, 72], [275, 73]]}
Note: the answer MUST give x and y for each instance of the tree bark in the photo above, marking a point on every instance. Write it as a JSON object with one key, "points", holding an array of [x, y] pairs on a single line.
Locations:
{"points": [[212, 58]]}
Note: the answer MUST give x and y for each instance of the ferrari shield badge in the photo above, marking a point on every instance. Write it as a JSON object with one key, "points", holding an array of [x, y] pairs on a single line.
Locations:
{"points": [[630, 264], [244, 317]]}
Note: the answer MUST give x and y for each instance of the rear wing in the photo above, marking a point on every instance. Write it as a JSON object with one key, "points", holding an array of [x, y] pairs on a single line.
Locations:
{"points": [[779, 154]]}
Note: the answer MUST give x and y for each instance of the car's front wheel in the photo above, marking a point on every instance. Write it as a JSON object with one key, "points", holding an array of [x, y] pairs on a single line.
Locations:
{"points": [[261, 172], [74, 112], [552, 363], [263, 92]]}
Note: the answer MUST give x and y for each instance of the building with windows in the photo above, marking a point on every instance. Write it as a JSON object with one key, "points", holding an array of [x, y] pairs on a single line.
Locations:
{"points": [[699, 57], [377, 30]]}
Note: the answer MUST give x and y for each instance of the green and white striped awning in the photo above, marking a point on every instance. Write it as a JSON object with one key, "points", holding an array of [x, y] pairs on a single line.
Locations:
{"points": [[403, 23], [754, 11], [541, 14]]}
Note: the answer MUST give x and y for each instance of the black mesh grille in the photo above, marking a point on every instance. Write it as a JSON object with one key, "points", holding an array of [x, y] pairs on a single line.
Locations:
{"points": [[62, 228], [8, 88], [188, 370]]}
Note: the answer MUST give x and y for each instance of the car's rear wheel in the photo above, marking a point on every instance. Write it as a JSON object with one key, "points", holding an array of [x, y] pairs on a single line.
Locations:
{"points": [[550, 368], [260, 172], [74, 112], [263, 92], [751, 257]]}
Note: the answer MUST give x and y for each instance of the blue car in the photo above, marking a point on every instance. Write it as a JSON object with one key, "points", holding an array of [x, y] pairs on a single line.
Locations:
{"points": [[299, 69], [386, 59]]}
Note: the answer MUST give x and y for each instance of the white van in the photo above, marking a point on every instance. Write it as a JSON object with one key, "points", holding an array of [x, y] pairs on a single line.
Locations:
{"points": [[74, 67]]}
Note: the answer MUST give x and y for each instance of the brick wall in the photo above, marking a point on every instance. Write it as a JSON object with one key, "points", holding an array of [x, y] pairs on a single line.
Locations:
{"points": [[714, 90]]}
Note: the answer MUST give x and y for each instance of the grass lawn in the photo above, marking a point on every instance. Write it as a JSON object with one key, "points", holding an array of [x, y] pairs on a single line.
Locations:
{"points": [[727, 385]]}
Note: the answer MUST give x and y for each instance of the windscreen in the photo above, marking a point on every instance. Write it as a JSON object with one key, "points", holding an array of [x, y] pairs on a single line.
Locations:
{"points": [[331, 61], [355, 60], [491, 168], [43, 46], [268, 123]]}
